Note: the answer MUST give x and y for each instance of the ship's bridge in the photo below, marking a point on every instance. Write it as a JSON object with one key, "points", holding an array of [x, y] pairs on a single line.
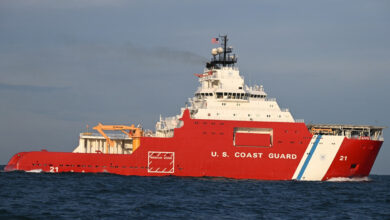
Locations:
{"points": [[223, 95]]}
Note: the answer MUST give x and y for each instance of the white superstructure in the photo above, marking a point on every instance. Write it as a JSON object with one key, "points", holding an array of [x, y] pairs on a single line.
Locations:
{"points": [[223, 95]]}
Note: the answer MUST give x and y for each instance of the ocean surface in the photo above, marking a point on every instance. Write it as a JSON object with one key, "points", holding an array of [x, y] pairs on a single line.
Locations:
{"points": [[105, 196]]}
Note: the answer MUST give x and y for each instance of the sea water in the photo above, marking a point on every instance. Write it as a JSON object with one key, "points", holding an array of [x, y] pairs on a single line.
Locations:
{"points": [[105, 196]]}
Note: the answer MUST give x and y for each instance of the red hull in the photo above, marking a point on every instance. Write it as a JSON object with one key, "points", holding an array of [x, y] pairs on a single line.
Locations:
{"points": [[206, 148]]}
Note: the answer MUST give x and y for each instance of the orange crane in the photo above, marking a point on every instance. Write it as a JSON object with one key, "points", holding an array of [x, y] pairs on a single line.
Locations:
{"points": [[133, 133]]}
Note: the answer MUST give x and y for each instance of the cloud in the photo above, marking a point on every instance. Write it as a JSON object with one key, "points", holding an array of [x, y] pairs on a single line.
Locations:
{"points": [[30, 88], [66, 4]]}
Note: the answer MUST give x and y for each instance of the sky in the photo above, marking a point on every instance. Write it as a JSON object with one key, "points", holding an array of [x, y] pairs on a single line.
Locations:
{"points": [[66, 64]]}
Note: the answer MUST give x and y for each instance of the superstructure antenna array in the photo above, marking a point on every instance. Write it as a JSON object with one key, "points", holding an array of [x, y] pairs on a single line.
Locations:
{"points": [[222, 56]]}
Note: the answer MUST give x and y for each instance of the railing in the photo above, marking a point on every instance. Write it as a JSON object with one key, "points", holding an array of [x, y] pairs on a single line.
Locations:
{"points": [[112, 136], [270, 99], [300, 120]]}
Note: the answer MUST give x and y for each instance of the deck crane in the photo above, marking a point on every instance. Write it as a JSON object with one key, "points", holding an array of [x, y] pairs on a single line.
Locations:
{"points": [[134, 133]]}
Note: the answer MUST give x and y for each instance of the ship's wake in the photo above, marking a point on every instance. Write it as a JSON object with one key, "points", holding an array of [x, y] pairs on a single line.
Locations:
{"points": [[34, 171], [350, 179]]}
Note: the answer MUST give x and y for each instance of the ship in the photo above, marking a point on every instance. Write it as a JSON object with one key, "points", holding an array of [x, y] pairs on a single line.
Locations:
{"points": [[227, 129]]}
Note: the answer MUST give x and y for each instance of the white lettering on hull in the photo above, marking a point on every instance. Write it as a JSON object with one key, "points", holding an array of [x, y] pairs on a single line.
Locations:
{"points": [[256, 155], [282, 156], [247, 155]]}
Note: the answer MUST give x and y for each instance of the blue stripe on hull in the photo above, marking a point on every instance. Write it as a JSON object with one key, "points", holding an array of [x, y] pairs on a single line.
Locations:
{"points": [[309, 157]]}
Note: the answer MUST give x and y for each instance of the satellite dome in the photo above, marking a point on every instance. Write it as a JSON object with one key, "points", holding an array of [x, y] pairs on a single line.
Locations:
{"points": [[214, 51]]}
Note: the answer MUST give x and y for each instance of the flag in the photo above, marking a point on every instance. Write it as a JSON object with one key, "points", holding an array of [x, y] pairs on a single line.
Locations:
{"points": [[214, 40]]}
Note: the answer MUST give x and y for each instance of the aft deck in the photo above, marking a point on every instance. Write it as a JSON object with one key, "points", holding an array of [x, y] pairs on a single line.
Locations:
{"points": [[350, 131]]}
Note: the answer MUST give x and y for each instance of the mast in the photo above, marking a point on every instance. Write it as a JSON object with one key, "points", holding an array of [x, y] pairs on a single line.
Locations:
{"points": [[224, 58], [224, 49]]}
